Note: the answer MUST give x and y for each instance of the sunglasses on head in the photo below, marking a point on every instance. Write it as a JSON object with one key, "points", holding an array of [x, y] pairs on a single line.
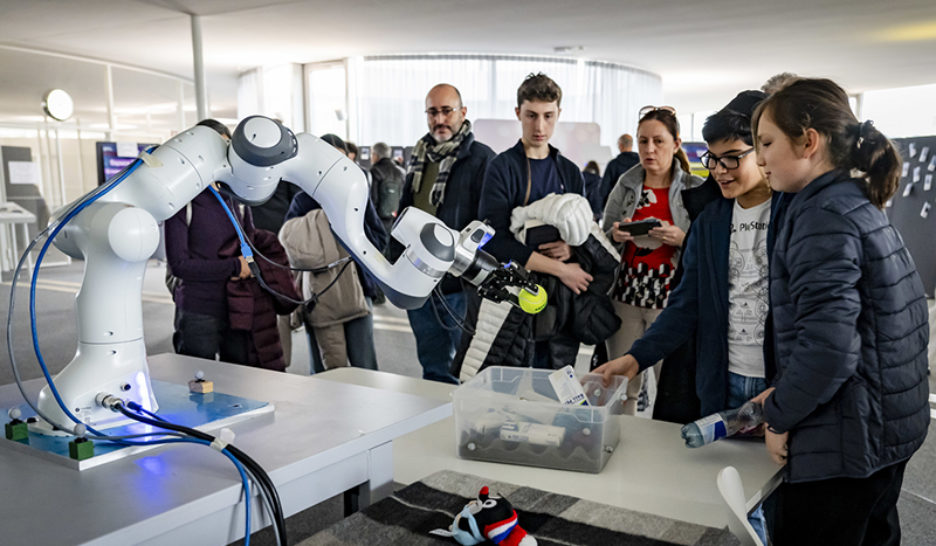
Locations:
{"points": [[650, 108]]}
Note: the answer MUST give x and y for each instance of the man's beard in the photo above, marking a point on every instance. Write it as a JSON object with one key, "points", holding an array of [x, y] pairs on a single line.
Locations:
{"points": [[437, 127]]}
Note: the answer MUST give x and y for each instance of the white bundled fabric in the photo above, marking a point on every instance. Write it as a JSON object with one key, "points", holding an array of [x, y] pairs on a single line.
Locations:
{"points": [[491, 317], [570, 213]]}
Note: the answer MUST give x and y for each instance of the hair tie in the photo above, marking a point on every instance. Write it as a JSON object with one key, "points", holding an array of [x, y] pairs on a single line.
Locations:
{"points": [[864, 130], [862, 154]]}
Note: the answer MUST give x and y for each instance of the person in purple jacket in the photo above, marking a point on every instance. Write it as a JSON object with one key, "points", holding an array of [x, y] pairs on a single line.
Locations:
{"points": [[193, 238]]}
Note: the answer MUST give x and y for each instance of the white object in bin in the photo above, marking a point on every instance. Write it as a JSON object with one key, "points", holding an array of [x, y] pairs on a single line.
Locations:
{"points": [[515, 416], [568, 389], [531, 433]]}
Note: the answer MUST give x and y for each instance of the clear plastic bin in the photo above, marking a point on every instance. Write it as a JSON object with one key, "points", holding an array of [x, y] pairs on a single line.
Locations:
{"points": [[512, 415]]}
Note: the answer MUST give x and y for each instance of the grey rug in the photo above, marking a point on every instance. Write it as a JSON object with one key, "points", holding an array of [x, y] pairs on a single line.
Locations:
{"points": [[408, 515]]}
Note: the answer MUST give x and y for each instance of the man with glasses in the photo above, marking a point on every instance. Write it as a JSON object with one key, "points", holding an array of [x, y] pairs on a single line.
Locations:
{"points": [[444, 178], [722, 296]]}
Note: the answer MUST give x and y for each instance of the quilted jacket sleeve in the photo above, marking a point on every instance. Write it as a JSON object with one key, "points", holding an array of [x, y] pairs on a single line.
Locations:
{"points": [[820, 267]]}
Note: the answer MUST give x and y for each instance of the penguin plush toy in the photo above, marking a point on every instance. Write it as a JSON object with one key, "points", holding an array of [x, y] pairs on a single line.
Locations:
{"points": [[489, 517]]}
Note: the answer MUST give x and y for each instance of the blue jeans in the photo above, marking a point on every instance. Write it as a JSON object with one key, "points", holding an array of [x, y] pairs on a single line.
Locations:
{"points": [[437, 335], [741, 389], [359, 339]]}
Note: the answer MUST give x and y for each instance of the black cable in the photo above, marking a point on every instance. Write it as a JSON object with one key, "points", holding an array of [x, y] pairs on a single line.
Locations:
{"points": [[260, 475], [459, 323], [255, 269]]}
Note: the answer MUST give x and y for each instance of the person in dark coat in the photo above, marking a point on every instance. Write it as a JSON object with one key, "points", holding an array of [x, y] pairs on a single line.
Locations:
{"points": [[623, 162], [524, 174], [386, 184], [592, 175], [443, 178], [194, 238], [252, 309], [849, 405]]}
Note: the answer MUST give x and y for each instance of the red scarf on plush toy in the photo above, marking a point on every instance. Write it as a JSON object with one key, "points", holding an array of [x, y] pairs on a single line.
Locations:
{"points": [[505, 532]]}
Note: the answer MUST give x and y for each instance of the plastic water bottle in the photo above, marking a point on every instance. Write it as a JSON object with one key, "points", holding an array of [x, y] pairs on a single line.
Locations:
{"points": [[723, 424]]}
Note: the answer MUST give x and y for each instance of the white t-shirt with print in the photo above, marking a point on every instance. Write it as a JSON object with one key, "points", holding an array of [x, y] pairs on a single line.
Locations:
{"points": [[748, 289]]}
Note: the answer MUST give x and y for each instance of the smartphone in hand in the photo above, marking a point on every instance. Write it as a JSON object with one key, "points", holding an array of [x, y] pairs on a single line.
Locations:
{"points": [[640, 227]]}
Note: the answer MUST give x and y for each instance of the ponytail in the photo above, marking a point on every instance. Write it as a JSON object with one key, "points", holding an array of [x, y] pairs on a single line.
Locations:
{"points": [[683, 160], [822, 105], [877, 157]]}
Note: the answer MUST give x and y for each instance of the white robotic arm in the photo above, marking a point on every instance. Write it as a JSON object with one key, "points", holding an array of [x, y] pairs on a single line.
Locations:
{"points": [[117, 233]]}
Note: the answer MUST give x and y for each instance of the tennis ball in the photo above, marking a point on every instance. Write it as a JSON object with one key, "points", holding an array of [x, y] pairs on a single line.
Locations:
{"points": [[530, 302]]}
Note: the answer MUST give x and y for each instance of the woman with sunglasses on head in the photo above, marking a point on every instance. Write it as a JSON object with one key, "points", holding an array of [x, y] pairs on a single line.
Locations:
{"points": [[722, 296], [848, 406], [651, 190]]}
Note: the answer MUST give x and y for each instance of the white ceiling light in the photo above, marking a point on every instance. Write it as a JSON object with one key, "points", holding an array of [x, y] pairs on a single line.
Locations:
{"points": [[58, 104]]}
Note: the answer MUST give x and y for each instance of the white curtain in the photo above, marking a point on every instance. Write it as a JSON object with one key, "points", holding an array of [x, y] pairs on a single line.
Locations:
{"points": [[274, 91], [382, 98]]}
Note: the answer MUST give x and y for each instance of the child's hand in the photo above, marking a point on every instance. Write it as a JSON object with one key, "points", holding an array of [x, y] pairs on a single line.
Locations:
{"points": [[625, 365]]}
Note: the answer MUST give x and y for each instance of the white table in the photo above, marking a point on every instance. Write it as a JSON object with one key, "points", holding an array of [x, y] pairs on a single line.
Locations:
{"points": [[13, 214], [323, 439], [651, 470]]}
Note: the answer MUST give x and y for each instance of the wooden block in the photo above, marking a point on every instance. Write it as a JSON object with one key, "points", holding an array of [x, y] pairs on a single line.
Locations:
{"points": [[201, 386]]}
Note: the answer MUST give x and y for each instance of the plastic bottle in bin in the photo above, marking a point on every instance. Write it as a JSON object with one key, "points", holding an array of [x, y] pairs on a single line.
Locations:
{"points": [[723, 424]]}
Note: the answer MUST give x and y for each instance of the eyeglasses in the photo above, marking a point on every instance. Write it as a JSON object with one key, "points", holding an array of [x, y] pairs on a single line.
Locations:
{"points": [[729, 162], [650, 108], [446, 111]]}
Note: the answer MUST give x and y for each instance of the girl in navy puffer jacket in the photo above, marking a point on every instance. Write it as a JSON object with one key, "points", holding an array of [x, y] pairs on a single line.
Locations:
{"points": [[849, 402]]}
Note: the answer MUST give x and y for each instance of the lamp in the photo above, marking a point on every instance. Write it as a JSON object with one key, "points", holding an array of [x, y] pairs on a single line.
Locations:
{"points": [[58, 104]]}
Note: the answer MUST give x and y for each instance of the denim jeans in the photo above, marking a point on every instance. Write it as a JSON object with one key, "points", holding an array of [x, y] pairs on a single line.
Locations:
{"points": [[741, 389], [359, 338], [437, 335], [205, 336]]}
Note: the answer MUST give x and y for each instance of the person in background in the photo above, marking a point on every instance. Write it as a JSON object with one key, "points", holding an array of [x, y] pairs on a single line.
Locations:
{"points": [[444, 178], [592, 175], [387, 182], [524, 174], [270, 216], [651, 190], [347, 329], [777, 82], [721, 299], [849, 404], [202, 251], [352, 150], [626, 159]]}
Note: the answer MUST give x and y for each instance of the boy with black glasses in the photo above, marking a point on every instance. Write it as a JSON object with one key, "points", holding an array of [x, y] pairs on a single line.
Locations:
{"points": [[725, 277]]}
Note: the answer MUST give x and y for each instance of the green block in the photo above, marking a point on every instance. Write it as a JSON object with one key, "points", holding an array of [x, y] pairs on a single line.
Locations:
{"points": [[80, 449], [17, 431]]}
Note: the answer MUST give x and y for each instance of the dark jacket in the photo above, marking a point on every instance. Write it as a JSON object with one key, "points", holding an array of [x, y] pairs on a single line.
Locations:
{"points": [[192, 254], [699, 305], [593, 192], [387, 181], [504, 189], [374, 230], [850, 317], [271, 215], [677, 400], [459, 205], [567, 320], [616, 167], [253, 309]]}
